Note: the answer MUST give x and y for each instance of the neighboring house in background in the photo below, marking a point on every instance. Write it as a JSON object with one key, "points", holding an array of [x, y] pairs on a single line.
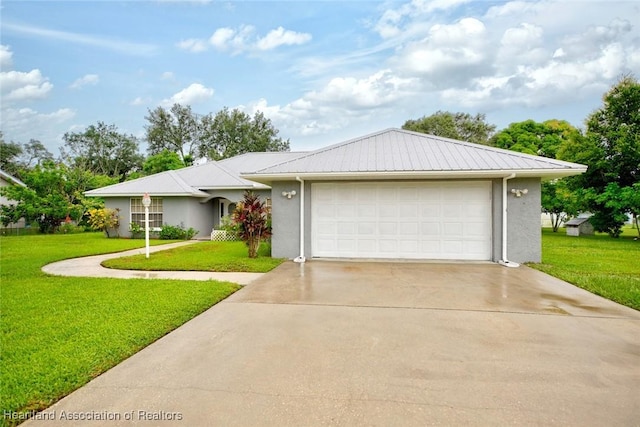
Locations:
{"points": [[196, 196], [6, 180], [393, 194], [397, 194]]}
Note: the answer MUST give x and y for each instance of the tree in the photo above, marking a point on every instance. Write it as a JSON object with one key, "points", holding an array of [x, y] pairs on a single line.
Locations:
{"points": [[460, 126], [103, 150], [51, 194], [104, 219], [558, 201], [252, 219], [540, 139], [34, 153], [164, 161], [178, 130], [234, 132], [611, 149], [9, 155]]}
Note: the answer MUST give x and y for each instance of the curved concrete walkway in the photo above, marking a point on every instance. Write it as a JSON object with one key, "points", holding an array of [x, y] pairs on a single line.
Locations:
{"points": [[91, 267]]}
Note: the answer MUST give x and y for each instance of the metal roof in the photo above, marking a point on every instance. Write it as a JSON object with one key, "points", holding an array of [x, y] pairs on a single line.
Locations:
{"points": [[406, 153], [576, 221], [250, 162], [11, 179], [189, 181]]}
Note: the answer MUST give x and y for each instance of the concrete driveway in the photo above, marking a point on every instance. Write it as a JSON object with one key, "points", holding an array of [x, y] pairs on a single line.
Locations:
{"points": [[343, 343]]}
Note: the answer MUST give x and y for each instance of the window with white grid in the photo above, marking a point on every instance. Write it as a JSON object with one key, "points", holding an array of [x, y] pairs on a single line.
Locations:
{"points": [[155, 212]]}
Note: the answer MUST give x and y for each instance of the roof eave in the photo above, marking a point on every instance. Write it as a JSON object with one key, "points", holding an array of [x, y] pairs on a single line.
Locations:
{"points": [[413, 175], [197, 195]]}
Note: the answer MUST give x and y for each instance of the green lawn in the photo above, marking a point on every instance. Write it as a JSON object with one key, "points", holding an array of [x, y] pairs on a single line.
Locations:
{"points": [[57, 333], [602, 265], [203, 256]]}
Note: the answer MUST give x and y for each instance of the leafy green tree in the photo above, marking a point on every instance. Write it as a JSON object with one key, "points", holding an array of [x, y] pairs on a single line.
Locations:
{"points": [[611, 149], [531, 137], [164, 161], [631, 195], [252, 219], [559, 202], [178, 130], [103, 150], [53, 192], [10, 153], [233, 132], [460, 126]]}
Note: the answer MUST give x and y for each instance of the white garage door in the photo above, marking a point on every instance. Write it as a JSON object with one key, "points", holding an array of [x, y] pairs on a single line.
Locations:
{"points": [[424, 220]]}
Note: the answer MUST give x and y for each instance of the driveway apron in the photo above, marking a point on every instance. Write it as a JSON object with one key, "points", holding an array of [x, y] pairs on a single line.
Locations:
{"points": [[379, 344]]}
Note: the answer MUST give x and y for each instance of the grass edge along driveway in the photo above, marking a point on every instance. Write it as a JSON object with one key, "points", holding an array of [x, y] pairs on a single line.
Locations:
{"points": [[202, 256], [58, 333], [599, 264]]}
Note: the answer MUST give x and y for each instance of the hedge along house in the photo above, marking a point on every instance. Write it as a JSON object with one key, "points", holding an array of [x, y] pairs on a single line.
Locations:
{"points": [[196, 196], [398, 194]]}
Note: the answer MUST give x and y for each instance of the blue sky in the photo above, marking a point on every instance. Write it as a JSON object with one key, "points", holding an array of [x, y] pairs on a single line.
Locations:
{"points": [[322, 71]]}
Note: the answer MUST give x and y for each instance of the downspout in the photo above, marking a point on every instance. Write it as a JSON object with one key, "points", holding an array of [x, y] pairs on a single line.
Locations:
{"points": [[301, 258], [505, 261]]}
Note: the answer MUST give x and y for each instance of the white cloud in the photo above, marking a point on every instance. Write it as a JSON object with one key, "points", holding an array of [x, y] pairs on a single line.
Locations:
{"points": [[167, 75], [121, 46], [395, 22], [88, 79], [449, 54], [139, 101], [280, 36], [221, 37], [6, 57], [244, 39], [21, 86], [193, 45], [23, 124], [340, 102], [193, 94]]}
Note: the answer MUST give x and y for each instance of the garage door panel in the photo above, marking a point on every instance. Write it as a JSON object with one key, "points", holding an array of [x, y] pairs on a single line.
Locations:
{"points": [[418, 220], [409, 228], [348, 228], [388, 228]]}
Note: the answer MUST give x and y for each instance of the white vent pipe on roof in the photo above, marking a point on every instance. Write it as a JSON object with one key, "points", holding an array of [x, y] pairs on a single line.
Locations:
{"points": [[505, 261], [301, 257]]}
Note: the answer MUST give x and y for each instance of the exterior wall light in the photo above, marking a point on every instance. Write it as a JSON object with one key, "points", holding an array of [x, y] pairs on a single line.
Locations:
{"points": [[289, 194], [518, 192]]}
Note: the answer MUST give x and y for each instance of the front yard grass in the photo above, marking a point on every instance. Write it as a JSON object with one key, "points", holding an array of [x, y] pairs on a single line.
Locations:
{"points": [[203, 256], [602, 265], [57, 333]]}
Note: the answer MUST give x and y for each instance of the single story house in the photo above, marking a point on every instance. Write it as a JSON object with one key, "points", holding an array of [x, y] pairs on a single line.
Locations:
{"points": [[393, 194], [197, 196]]}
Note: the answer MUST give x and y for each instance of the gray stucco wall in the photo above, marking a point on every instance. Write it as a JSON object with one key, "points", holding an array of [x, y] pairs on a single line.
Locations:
{"points": [[285, 220], [524, 237], [523, 221], [123, 204], [185, 211], [523, 242]]}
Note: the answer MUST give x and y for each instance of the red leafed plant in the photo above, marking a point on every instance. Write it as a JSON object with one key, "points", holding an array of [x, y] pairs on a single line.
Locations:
{"points": [[252, 218]]}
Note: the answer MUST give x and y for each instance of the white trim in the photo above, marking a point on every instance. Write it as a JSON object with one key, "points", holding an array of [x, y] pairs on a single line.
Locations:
{"points": [[414, 175], [301, 257]]}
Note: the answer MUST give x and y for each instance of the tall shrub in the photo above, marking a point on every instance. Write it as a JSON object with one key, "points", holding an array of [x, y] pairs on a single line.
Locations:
{"points": [[252, 218]]}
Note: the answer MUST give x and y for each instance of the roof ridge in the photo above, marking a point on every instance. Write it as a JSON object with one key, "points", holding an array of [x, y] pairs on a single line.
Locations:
{"points": [[325, 149], [181, 182]]}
